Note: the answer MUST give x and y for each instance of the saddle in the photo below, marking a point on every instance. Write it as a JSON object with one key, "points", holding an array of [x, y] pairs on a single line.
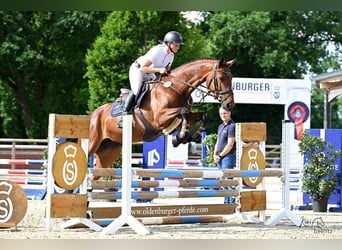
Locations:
{"points": [[118, 105]]}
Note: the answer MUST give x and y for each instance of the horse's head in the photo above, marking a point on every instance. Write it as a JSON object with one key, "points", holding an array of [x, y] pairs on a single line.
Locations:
{"points": [[220, 83]]}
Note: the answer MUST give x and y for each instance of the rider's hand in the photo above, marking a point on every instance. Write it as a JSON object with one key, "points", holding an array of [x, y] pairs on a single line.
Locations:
{"points": [[162, 71]]}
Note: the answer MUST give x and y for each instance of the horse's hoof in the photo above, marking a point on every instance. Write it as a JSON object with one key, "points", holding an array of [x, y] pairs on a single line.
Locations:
{"points": [[175, 141]]}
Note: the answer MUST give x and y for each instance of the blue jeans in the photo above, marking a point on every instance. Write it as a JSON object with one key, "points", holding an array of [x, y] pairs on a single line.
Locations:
{"points": [[228, 162]]}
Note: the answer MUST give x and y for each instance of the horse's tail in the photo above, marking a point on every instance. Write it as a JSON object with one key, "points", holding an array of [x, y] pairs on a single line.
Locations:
{"points": [[95, 130]]}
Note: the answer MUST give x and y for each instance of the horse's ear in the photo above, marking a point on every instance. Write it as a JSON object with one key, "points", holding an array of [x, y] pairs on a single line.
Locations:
{"points": [[231, 62], [221, 63]]}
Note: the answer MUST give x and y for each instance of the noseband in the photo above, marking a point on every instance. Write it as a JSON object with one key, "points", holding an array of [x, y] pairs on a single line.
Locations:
{"points": [[218, 92]]}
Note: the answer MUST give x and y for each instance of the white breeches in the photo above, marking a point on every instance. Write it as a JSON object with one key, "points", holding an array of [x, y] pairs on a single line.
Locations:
{"points": [[136, 78]]}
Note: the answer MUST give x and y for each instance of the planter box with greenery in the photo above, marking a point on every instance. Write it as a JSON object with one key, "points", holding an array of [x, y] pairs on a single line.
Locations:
{"points": [[210, 141], [319, 177]]}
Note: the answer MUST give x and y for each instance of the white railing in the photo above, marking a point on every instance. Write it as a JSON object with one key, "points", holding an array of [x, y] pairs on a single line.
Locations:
{"points": [[13, 148], [273, 156]]}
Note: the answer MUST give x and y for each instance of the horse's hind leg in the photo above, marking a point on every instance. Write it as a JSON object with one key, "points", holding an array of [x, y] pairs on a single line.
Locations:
{"points": [[107, 153], [93, 145]]}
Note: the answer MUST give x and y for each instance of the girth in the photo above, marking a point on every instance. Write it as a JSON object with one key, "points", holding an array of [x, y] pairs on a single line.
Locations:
{"points": [[150, 133]]}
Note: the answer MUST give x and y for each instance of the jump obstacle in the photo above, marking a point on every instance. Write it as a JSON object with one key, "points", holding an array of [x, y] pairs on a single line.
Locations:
{"points": [[58, 205], [80, 217]]}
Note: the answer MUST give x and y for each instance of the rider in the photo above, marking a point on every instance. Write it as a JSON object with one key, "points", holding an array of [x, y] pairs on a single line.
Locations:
{"points": [[157, 60]]}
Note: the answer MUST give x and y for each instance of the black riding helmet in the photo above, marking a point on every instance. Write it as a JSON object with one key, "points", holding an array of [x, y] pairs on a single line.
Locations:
{"points": [[173, 36]]}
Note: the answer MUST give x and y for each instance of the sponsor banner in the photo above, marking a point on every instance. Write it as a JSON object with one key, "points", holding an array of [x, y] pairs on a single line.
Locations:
{"points": [[261, 90], [154, 153]]}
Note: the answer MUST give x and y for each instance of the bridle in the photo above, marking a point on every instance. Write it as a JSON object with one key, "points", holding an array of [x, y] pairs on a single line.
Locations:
{"points": [[217, 92]]}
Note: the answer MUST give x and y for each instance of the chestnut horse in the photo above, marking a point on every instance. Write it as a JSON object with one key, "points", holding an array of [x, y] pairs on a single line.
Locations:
{"points": [[164, 109]]}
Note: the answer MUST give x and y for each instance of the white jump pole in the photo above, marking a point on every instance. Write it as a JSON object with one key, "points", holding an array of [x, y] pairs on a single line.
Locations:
{"points": [[126, 216], [285, 211], [50, 180]]}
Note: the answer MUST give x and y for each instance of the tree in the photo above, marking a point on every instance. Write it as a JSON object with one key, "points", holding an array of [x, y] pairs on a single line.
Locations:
{"points": [[42, 67], [127, 35], [278, 44]]}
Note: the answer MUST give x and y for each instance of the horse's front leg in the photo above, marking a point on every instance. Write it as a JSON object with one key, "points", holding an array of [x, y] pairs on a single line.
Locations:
{"points": [[193, 118], [184, 132], [183, 135]]}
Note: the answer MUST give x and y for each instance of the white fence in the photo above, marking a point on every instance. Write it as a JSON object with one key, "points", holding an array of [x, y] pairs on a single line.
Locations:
{"points": [[22, 149]]}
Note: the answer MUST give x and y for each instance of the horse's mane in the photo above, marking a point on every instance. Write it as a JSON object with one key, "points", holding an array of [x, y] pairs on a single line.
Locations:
{"points": [[196, 60]]}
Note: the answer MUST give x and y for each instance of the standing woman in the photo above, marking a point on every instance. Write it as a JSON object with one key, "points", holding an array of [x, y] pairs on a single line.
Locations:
{"points": [[225, 147], [157, 60]]}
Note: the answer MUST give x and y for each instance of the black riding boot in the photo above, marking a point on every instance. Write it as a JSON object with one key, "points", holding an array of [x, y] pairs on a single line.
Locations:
{"points": [[128, 106]]}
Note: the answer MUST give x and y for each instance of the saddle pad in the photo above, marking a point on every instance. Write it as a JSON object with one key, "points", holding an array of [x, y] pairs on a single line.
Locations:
{"points": [[117, 109]]}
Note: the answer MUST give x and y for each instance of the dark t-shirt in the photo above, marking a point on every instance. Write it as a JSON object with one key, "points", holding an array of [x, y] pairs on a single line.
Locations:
{"points": [[223, 133]]}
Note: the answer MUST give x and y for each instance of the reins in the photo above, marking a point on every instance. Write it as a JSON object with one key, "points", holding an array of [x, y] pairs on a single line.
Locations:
{"points": [[207, 91]]}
